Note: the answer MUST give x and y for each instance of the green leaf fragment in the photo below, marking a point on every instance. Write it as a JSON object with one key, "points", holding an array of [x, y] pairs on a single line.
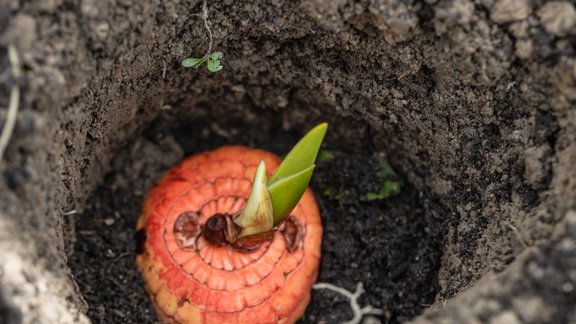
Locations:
{"points": [[373, 196], [389, 188], [192, 62], [257, 215]]}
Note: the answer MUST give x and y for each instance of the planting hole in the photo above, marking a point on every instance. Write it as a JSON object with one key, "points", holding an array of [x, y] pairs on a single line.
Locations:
{"points": [[449, 153]]}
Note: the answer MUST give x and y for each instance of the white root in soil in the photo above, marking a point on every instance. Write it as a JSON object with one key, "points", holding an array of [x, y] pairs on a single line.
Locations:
{"points": [[358, 311], [14, 100]]}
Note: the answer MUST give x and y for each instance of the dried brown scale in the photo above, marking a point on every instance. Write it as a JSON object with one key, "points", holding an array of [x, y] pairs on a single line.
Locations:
{"points": [[186, 229]]}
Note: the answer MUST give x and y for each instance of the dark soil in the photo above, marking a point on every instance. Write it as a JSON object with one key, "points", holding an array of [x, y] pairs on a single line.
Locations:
{"points": [[390, 245]]}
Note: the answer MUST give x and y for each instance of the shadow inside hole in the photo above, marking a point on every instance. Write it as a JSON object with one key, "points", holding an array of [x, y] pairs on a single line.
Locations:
{"points": [[8, 314], [387, 244]]}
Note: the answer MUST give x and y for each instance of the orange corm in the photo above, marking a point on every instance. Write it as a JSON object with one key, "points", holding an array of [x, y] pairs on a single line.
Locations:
{"points": [[192, 280]]}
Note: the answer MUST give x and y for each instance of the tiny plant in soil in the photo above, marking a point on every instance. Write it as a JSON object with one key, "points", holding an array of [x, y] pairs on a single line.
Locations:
{"points": [[391, 185], [233, 236], [213, 59]]}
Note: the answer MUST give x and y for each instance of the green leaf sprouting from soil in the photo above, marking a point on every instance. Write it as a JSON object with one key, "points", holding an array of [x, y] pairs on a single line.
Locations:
{"points": [[214, 61], [272, 200], [391, 185]]}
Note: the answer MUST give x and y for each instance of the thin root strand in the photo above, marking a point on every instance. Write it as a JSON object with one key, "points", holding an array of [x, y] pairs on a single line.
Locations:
{"points": [[14, 100], [353, 298], [205, 19]]}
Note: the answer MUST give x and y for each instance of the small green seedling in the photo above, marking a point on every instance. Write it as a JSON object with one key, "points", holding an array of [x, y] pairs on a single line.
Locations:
{"points": [[213, 58], [390, 187], [272, 199], [214, 64]]}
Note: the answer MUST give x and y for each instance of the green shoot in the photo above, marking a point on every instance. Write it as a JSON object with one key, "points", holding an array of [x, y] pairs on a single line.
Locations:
{"points": [[256, 216], [271, 200], [288, 183], [287, 191]]}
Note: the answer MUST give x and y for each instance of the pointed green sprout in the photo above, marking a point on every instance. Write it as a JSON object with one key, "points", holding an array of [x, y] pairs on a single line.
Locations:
{"points": [[289, 182], [255, 217], [214, 64], [276, 197]]}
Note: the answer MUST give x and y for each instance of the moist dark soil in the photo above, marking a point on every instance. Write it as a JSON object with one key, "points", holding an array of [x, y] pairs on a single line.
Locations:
{"points": [[389, 244]]}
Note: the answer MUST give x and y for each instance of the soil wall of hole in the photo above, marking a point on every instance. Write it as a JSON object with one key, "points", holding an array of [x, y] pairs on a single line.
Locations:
{"points": [[472, 102]]}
